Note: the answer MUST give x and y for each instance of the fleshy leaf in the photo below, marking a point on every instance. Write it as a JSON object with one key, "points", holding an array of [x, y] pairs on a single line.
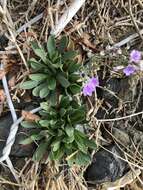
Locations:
{"points": [[51, 46], [29, 84], [40, 151]]}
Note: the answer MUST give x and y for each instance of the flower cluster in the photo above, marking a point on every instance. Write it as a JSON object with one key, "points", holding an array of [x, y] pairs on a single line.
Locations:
{"points": [[90, 86], [135, 57], [134, 63]]}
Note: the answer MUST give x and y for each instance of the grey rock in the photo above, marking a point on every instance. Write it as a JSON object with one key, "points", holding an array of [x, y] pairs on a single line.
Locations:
{"points": [[3, 42], [105, 166]]}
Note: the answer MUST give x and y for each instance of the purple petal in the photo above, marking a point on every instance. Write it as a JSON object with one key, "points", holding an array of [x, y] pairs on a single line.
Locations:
{"points": [[135, 56], [87, 90], [130, 69], [90, 86], [94, 81]]}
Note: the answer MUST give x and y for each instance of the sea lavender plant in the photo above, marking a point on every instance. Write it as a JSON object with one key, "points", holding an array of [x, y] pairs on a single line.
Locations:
{"points": [[56, 81]]}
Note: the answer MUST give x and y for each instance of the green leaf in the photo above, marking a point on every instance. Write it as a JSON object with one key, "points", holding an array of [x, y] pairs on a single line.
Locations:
{"points": [[36, 91], [69, 55], [82, 146], [79, 133], [74, 77], [41, 53], [38, 77], [29, 125], [78, 116], [40, 151], [31, 139], [63, 43], [64, 101], [62, 112], [35, 64], [80, 142], [52, 133], [69, 131], [45, 106], [71, 161], [35, 45], [53, 98], [51, 46], [73, 67], [51, 83], [75, 89], [82, 159], [55, 145], [44, 123], [90, 143], [63, 81], [36, 137], [26, 141], [69, 140], [29, 84], [50, 65], [44, 92], [57, 155]]}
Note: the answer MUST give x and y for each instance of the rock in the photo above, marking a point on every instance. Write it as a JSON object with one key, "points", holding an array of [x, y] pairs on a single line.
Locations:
{"points": [[3, 42], [105, 166], [17, 149]]}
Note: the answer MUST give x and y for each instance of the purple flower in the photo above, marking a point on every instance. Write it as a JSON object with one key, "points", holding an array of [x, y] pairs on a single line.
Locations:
{"points": [[87, 90], [90, 86], [130, 69], [93, 82], [135, 56]]}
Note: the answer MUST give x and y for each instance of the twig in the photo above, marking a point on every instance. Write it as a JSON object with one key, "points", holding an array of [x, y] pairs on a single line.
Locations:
{"points": [[133, 19], [10, 166], [28, 24], [57, 7], [9, 101], [67, 16], [119, 118], [134, 172], [120, 157], [13, 38], [126, 40], [4, 4], [18, 48]]}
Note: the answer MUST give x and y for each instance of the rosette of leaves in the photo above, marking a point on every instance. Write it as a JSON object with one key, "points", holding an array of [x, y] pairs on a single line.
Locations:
{"points": [[58, 136], [53, 67], [55, 77]]}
